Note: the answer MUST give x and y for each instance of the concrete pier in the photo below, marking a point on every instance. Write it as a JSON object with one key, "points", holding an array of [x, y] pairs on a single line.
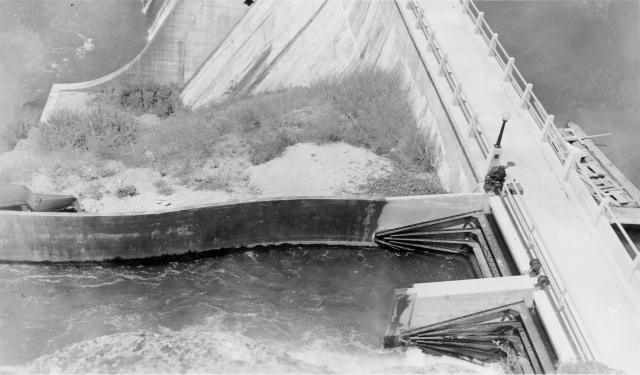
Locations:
{"points": [[485, 319]]}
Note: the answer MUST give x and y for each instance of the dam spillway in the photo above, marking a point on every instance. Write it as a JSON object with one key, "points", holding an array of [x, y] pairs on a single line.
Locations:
{"points": [[459, 80]]}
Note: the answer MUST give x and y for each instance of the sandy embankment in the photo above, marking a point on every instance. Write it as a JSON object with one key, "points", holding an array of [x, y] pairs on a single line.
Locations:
{"points": [[303, 170]]}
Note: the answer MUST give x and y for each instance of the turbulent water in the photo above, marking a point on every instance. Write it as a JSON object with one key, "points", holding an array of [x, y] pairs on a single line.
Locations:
{"points": [[302, 309]]}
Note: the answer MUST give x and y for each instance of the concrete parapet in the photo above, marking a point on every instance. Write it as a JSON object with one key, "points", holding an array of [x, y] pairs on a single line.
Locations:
{"points": [[67, 237], [439, 301], [485, 320]]}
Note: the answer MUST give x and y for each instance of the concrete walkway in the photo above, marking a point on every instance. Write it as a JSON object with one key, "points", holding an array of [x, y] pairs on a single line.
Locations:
{"points": [[604, 300]]}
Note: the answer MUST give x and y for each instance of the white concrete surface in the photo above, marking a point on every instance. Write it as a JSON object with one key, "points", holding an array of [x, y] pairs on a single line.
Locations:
{"points": [[462, 297], [583, 254]]}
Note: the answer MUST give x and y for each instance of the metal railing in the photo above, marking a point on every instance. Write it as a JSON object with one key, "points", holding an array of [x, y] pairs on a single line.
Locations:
{"points": [[557, 290], [459, 97], [544, 120], [604, 208], [512, 74]]}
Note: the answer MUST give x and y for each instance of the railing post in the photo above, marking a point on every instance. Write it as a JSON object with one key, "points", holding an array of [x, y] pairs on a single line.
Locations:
{"points": [[602, 207], [492, 44], [568, 165], [473, 125], [419, 16], [509, 68], [479, 20], [430, 40], [456, 93], [526, 95], [547, 127], [443, 63], [465, 6]]}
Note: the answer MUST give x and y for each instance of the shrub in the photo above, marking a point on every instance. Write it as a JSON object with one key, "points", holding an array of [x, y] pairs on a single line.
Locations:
{"points": [[419, 152], [372, 109], [101, 130], [126, 191], [268, 145], [219, 181], [150, 97]]}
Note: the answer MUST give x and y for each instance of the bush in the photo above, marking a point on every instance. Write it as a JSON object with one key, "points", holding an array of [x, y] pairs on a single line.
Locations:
{"points": [[126, 191], [372, 110], [101, 130], [150, 97], [220, 181], [268, 145]]}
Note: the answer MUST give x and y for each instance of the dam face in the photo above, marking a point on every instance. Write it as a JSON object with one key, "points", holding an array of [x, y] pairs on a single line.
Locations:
{"points": [[182, 36]]}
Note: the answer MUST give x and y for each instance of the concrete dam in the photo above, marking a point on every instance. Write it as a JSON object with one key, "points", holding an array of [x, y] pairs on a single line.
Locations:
{"points": [[557, 273]]}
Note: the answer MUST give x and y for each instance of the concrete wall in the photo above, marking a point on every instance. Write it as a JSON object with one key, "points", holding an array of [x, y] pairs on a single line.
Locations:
{"points": [[462, 297], [188, 36], [282, 43], [63, 237]]}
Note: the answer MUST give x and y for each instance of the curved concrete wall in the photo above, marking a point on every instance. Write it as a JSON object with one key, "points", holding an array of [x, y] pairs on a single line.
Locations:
{"points": [[65, 237], [181, 37], [281, 43]]}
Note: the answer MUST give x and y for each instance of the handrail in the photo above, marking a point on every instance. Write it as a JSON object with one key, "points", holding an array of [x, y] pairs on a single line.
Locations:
{"points": [[513, 75], [557, 291], [604, 207], [453, 82], [530, 101]]}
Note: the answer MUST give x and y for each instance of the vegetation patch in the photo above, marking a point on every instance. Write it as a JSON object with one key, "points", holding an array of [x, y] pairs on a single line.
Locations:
{"points": [[149, 97], [102, 131], [366, 109], [403, 182], [126, 191]]}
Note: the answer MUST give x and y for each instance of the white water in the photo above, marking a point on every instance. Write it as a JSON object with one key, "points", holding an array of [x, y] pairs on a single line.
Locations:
{"points": [[285, 309]]}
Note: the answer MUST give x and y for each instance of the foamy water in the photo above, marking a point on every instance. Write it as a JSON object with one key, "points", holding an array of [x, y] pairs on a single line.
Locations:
{"points": [[278, 310]]}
